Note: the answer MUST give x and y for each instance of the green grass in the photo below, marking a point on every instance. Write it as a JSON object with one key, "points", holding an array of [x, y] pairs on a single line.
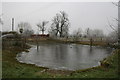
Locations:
{"points": [[11, 68], [0, 63]]}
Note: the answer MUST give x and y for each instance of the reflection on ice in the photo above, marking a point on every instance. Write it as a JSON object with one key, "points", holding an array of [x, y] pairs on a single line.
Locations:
{"points": [[64, 56]]}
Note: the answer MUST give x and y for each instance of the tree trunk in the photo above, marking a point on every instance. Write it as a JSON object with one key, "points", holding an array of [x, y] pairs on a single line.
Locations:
{"points": [[42, 32], [56, 33], [91, 42], [61, 35], [37, 43]]}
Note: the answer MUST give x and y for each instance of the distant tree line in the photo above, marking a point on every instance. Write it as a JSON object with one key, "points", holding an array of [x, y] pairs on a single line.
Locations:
{"points": [[60, 28]]}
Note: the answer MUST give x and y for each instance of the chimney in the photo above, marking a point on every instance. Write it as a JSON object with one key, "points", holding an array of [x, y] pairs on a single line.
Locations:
{"points": [[12, 24]]}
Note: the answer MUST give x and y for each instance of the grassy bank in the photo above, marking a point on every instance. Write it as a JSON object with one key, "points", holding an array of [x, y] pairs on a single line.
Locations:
{"points": [[95, 43], [0, 63], [13, 69]]}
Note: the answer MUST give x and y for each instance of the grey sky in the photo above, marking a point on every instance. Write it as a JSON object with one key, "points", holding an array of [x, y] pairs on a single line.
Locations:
{"points": [[81, 14]]}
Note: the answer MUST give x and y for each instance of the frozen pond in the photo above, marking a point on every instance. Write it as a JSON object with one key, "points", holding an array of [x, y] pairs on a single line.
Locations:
{"points": [[64, 56]]}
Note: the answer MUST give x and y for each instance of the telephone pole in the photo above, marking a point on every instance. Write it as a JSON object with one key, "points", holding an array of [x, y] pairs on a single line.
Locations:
{"points": [[119, 22]]}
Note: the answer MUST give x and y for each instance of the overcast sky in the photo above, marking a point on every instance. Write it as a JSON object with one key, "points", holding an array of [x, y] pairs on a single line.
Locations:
{"points": [[81, 14]]}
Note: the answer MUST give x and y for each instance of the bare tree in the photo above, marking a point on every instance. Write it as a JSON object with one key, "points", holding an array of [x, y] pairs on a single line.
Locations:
{"points": [[28, 32], [41, 26], [52, 32], [60, 24], [112, 26], [97, 33], [77, 34], [25, 30], [89, 35], [116, 4], [88, 32], [112, 37]]}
